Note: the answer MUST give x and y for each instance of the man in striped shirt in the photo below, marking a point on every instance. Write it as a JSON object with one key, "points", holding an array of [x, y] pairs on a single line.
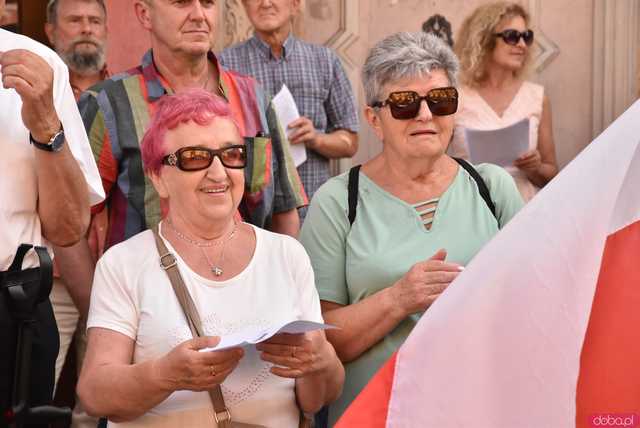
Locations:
{"points": [[117, 111]]}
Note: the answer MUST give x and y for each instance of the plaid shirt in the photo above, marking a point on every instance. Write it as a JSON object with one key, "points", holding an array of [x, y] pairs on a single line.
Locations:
{"points": [[116, 113], [317, 81]]}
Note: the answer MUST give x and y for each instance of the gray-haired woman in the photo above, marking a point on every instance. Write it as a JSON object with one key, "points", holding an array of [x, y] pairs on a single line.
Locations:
{"points": [[420, 215]]}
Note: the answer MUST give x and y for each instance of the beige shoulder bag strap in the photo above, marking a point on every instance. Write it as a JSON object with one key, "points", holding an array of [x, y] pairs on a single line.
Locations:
{"points": [[169, 264]]}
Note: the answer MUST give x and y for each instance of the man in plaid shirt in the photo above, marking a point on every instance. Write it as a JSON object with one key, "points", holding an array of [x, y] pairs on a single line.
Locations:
{"points": [[328, 124]]}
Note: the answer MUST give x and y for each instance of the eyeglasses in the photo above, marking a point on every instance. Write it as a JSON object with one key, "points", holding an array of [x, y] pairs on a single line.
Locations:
{"points": [[406, 104], [512, 37], [198, 158]]}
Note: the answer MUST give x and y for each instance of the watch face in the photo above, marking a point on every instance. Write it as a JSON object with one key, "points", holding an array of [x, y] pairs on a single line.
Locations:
{"points": [[57, 142]]}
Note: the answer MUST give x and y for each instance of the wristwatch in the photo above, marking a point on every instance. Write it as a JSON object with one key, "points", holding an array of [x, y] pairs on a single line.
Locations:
{"points": [[54, 144]]}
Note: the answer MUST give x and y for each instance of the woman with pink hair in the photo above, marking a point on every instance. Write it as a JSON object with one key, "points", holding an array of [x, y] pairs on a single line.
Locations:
{"points": [[143, 367]]}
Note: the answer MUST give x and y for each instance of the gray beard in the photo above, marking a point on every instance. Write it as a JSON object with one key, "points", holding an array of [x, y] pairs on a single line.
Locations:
{"points": [[85, 63]]}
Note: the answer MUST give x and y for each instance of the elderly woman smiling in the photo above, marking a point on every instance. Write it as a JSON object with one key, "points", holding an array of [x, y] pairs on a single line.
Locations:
{"points": [[420, 215], [143, 367]]}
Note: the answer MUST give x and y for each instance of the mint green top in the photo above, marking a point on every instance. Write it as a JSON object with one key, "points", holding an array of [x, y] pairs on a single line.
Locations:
{"points": [[387, 237]]}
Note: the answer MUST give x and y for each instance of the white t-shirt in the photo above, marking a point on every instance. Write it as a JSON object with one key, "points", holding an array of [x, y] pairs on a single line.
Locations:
{"points": [[132, 295], [19, 221]]}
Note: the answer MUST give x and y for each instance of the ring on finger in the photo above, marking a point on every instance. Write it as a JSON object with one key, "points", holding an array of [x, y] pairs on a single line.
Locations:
{"points": [[213, 370], [293, 352]]}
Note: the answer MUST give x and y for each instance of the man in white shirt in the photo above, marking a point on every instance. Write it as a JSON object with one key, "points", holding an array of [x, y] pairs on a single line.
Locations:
{"points": [[47, 183]]}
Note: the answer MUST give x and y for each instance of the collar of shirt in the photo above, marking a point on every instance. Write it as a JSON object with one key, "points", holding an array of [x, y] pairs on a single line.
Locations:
{"points": [[157, 86], [264, 48], [104, 75]]}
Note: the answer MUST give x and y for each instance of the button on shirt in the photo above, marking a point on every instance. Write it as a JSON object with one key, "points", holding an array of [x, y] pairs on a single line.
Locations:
{"points": [[317, 81]]}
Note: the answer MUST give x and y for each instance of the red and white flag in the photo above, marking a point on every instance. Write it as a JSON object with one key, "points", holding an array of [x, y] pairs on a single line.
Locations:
{"points": [[542, 329]]}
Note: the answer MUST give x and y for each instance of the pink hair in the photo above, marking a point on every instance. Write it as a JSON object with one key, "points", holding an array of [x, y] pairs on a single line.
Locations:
{"points": [[195, 105]]}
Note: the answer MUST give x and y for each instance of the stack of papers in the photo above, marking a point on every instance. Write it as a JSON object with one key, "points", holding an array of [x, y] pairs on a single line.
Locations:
{"points": [[498, 146], [287, 112], [254, 335]]}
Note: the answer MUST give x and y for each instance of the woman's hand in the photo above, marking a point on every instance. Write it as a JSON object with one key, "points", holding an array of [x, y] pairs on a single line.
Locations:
{"points": [[184, 368], [424, 283], [298, 355], [310, 359], [529, 162]]}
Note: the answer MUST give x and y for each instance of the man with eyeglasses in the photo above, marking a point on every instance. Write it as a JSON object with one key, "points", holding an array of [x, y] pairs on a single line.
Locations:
{"points": [[328, 124], [47, 181]]}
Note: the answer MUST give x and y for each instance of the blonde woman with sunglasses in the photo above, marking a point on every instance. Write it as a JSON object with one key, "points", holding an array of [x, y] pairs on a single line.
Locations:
{"points": [[494, 45], [419, 215]]}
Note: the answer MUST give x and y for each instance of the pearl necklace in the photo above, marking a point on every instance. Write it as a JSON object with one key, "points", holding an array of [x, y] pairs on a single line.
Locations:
{"points": [[215, 269]]}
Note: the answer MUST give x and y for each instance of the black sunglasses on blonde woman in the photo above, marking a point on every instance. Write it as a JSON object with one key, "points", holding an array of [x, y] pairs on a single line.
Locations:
{"points": [[512, 37], [405, 105], [198, 158]]}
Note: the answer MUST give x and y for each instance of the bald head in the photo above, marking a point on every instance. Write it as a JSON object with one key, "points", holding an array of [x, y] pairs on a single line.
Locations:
{"points": [[179, 28]]}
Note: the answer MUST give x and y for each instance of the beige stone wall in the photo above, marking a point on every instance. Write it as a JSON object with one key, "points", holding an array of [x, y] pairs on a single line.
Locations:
{"points": [[565, 44], [566, 76]]}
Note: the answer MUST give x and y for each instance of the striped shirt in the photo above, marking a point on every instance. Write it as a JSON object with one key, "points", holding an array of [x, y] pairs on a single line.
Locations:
{"points": [[116, 113], [317, 81]]}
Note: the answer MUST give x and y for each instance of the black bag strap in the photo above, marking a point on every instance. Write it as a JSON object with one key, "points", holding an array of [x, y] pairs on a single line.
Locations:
{"points": [[352, 192], [482, 186], [43, 274], [16, 264], [354, 178]]}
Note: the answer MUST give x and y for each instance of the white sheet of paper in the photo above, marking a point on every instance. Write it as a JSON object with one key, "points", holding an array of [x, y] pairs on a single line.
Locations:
{"points": [[287, 112], [251, 336], [498, 146]]}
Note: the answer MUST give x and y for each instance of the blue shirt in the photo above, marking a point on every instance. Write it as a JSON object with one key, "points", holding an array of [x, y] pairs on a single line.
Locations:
{"points": [[317, 81]]}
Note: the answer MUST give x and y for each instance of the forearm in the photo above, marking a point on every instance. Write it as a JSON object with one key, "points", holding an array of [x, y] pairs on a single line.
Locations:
{"points": [[336, 144], [76, 267], [543, 175], [286, 222], [316, 390], [63, 198], [546, 147], [121, 392], [362, 324]]}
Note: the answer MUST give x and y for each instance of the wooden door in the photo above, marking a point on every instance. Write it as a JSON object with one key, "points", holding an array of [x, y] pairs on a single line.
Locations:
{"points": [[31, 19]]}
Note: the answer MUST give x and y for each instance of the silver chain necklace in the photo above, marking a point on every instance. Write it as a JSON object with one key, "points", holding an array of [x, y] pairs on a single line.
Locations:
{"points": [[215, 269]]}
